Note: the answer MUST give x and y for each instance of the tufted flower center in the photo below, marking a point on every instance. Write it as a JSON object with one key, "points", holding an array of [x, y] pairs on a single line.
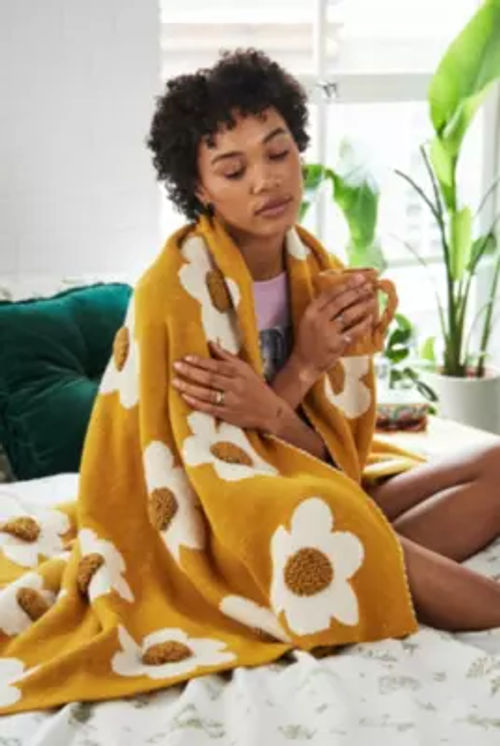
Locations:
{"points": [[162, 507], [121, 347], [87, 568], [308, 571], [231, 453], [337, 378], [31, 602], [24, 527], [170, 651], [217, 289]]}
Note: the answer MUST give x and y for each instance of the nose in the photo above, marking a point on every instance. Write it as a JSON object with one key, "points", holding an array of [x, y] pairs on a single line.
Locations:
{"points": [[265, 179]]}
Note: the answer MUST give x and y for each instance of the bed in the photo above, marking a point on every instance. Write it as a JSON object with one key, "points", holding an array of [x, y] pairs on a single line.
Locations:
{"points": [[431, 688]]}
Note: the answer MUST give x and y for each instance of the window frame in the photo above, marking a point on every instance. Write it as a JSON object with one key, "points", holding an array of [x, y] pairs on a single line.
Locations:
{"points": [[326, 86]]}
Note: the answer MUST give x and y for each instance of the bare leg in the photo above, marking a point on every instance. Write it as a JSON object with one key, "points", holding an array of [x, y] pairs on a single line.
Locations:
{"points": [[447, 595], [451, 507]]}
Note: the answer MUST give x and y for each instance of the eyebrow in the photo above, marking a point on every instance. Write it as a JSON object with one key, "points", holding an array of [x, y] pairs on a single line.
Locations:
{"points": [[232, 153]]}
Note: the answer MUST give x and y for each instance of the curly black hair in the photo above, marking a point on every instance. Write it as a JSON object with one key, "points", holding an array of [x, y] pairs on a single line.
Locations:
{"points": [[196, 106]]}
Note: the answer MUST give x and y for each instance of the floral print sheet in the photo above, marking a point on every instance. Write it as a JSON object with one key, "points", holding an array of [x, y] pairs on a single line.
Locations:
{"points": [[431, 688]]}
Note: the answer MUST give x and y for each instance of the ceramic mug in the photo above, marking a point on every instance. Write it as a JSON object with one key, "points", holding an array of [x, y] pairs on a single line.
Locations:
{"points": [[373, 341]]}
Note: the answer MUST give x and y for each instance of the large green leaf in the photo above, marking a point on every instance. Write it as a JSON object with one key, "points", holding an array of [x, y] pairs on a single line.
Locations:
{"points": [[444, 168], [313, 175], [461, 242], [428, 350], [482, 246], [356, 193], [470, 64], [370, 255]]}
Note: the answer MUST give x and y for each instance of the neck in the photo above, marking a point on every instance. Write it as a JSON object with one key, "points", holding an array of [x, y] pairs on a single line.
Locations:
{"points": [[263, 255]]}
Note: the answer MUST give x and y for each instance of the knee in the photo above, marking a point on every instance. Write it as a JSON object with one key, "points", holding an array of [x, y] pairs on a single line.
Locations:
{"points": [[489, 463], [489, 475]]}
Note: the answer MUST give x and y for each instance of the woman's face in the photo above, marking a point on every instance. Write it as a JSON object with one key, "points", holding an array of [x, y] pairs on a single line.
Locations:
{"points": [[252, 175]]}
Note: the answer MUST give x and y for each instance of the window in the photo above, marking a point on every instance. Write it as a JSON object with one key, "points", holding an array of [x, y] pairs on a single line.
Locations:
{"points": [[366, 67]]}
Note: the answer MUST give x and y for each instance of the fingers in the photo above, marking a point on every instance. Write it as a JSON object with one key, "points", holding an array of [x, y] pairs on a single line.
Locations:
{"points": [[341, 303], [355, 313], [326, 296], [204, 374], [191, 392], [195, 363], [358, 330]]}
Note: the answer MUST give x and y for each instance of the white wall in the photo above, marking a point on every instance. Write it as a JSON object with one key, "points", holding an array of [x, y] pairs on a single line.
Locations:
{"points": [[77, 85]]}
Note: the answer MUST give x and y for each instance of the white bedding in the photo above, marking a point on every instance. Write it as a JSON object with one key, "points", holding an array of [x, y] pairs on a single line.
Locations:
{"points": [[432, 688]]}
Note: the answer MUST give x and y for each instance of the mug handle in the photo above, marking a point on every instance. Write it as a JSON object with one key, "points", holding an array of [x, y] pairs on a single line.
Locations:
{"points": [[387, 287]]}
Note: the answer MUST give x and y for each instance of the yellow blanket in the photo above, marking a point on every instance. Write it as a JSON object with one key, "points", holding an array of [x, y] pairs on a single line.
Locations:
{"points": [[196, 546]]}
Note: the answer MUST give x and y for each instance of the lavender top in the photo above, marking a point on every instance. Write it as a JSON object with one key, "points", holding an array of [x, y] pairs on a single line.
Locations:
{"points": [[274, 322], [272, 306]]}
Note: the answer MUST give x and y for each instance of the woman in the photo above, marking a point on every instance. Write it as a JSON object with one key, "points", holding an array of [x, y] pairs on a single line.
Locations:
{"points": [[209, 531], [227, 145]]}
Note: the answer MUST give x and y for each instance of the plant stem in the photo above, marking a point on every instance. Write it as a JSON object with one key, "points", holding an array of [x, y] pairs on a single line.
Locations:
{"points": [[492, 187], [434, 183], [424, 264], [420, 191], [485, 338], [475, 322], [453, 365]]}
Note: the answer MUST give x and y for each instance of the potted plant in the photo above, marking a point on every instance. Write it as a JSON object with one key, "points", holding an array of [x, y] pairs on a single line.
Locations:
{"points": [[355, 191], [468, 389]]}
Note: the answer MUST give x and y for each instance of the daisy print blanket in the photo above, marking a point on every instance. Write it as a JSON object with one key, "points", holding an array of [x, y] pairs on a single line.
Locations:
{"points": [[196, 546]]}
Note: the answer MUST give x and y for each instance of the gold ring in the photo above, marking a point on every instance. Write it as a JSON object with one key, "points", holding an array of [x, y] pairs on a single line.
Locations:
{"points": [[219, 398]]}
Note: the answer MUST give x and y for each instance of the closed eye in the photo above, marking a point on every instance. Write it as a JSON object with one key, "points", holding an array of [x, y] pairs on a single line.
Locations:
{"points": [[273, 157], [279, 156], [235, 174]]}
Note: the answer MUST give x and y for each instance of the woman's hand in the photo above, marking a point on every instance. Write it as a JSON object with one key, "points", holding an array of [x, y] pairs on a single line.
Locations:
{"points": [[338, 317], [248, 400]]}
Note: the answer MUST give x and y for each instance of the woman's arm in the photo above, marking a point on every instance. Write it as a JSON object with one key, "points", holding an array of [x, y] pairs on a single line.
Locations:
{"points": [[287, 425], [293, 381]]}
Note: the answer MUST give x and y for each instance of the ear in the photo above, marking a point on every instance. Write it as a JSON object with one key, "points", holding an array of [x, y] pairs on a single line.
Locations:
{"points": [[201, 194]]}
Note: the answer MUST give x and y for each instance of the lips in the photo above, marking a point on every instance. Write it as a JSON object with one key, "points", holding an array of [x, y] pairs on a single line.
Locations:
{"points": [[270, 204]]}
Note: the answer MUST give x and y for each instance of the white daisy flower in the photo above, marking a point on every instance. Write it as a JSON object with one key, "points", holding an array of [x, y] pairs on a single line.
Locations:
{"points": [[167, 653], [219, 326], [11, 672], [355, 398], [174, 505], [109, 575], [253, 615], [24, 536], [226, 447], [295, 246], [122, 371], [311, 567], [64, 556], [13, 618]]}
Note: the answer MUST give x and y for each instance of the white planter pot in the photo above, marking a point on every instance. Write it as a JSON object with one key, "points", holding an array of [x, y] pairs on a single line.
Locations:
{"points": [[472, 401]]}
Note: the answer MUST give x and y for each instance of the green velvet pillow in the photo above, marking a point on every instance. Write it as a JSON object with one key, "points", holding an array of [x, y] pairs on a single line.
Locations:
{"points": [[53, 352]]}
